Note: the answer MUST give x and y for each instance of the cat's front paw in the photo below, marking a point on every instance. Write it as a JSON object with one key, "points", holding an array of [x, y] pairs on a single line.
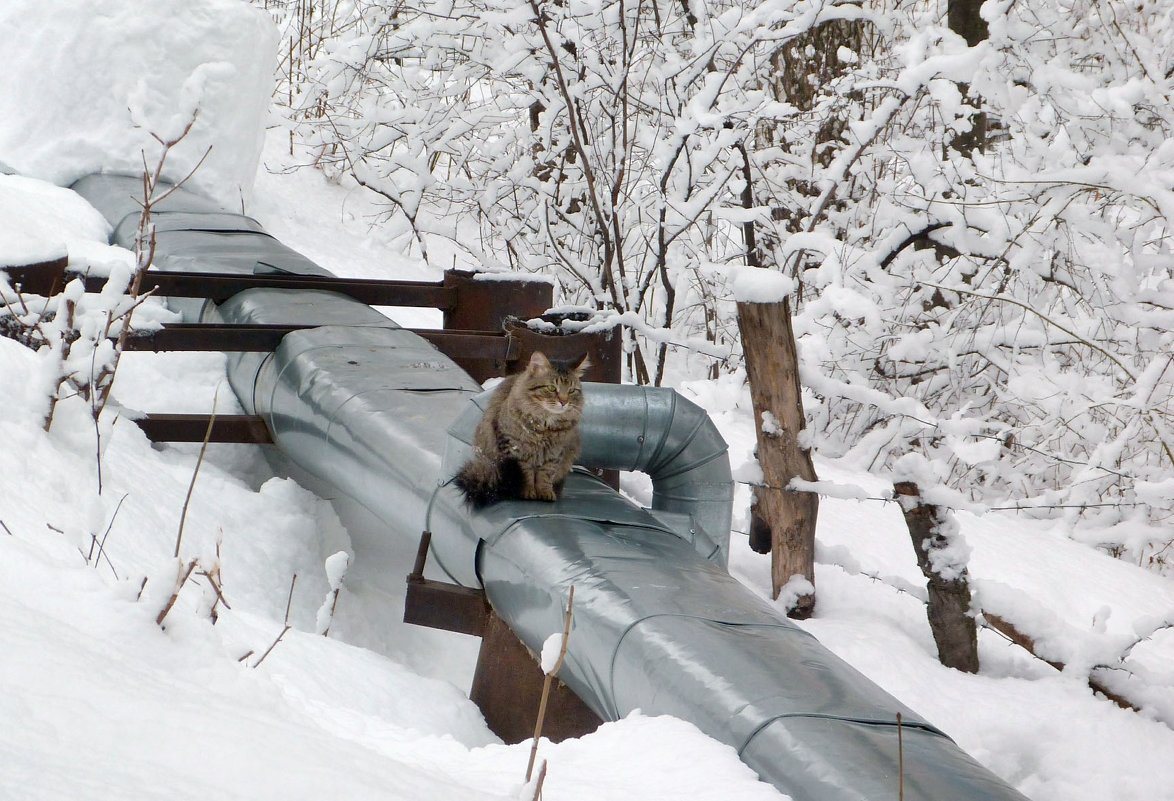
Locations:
{"points": [[542, 494]]}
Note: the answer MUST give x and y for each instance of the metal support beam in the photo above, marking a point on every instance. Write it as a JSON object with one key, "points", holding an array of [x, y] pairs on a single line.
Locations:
{"points": [[485, 305], [439, 605], [219, 287], [209, 337], [45, 278], [240, 428], [507, 687], [461, 346]]}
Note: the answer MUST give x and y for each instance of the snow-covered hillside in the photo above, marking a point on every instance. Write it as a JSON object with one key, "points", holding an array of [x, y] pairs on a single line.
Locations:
{"points": [[100, 702]]}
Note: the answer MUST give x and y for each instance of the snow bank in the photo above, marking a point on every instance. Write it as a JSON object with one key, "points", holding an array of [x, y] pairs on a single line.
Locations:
{"points": [[43, 222], [91, 79]]}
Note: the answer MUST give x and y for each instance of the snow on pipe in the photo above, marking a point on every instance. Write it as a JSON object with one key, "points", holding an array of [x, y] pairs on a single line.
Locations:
{"points": [[660, 625]]}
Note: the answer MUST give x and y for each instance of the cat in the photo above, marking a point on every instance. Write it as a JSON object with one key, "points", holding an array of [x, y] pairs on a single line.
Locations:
{"points": [[528, 437]]}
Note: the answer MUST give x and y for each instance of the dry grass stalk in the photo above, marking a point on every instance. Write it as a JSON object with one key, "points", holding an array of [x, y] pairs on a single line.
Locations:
{"points": [[100, 544], [546, 683], [192, 484], [538, 784], [287, 627], [182, 575], [900, 759], [333, 606], [213, 576]]}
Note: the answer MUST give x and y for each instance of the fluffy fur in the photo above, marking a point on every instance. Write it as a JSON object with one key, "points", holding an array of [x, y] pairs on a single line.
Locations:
{"points": [[528, 438]]}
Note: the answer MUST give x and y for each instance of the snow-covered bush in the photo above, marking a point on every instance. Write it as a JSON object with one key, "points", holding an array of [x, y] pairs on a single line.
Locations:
{"points": [[978, 235], [1007, 313]]}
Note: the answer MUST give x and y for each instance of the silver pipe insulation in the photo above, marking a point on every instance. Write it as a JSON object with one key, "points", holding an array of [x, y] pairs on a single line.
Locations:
{"points": [[660, 625]]}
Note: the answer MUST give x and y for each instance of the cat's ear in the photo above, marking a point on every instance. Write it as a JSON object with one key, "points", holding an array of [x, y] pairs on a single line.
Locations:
{"points": [[583, 365], [538, 361]]}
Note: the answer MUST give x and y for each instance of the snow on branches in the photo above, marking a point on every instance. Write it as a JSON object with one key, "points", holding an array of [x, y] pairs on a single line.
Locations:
{"points": [[975, 238]]}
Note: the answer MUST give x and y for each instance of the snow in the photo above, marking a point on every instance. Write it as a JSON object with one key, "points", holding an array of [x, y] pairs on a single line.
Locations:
{"points": [[551, 650], [88, 81], [761, 285], [43, 222], [102, 702], [336, 567]]}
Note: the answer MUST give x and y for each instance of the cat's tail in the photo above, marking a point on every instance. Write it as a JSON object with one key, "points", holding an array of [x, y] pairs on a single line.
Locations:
{"points": [[480, 481], [484, 482]]}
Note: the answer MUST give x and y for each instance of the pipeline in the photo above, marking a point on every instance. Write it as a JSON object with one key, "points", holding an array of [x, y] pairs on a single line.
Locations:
{"points": [[661, 626]]}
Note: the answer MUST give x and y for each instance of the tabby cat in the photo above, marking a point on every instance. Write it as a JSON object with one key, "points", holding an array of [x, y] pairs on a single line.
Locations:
{"points": [[528, 438]]}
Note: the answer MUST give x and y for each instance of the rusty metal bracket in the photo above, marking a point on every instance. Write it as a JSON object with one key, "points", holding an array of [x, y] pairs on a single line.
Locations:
{"points": [[440, 605], [239, 428], [241, 337], [219, 287], [45, 278], [508, 681]]}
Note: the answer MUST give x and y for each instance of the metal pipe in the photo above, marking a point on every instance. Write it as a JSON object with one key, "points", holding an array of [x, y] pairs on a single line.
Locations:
{"points": [[660, 624], [656, 431]]}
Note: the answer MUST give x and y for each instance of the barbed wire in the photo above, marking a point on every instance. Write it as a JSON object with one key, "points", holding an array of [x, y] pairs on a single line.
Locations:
{"points": [[1019, 507]]}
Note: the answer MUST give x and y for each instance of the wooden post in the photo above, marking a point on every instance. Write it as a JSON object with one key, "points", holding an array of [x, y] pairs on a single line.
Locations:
{"points": [[787, 519], [954, 629]]}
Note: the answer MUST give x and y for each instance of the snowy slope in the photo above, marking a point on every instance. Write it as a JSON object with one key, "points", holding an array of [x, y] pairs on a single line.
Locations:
{"points": [[98, 701]]}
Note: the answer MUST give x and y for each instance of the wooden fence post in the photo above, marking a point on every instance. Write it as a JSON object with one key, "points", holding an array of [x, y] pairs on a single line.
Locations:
{"points": [[954, 628], [784, 519]]}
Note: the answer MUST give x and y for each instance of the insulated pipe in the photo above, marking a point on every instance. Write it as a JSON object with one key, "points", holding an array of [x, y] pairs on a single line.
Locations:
{"points": [[660, 625], [653, 430], [656, 431]]}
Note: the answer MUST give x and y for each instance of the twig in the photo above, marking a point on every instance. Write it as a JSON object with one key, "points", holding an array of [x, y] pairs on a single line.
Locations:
{"points": [[181, 578], [1024, 641], [192, 485], [1084, 340], [211, 576], [7, 530], [900, 759], [538, 784], [288, 604], [272, 645], [101, 545]]}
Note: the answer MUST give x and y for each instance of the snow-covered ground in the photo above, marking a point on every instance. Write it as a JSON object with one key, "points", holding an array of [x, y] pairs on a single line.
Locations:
{"points": [[99, 702]]}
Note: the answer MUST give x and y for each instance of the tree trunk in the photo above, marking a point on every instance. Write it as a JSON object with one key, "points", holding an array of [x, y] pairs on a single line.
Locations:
{"points": [[954, 628], [787, 518], [963, 18]]}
